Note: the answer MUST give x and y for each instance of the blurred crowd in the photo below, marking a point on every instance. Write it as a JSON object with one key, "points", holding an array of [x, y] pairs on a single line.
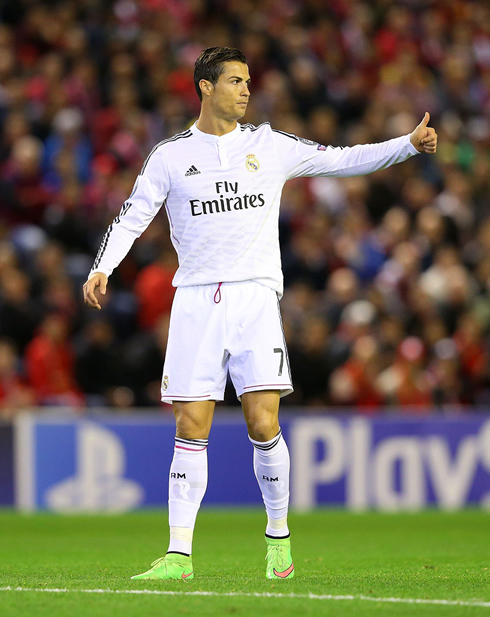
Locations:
{"points": [[387, 276]]}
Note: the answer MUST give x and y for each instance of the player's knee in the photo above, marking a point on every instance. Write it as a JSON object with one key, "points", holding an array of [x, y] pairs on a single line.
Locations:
{"points": [[191, 427], [263, 427], [193, 420]]}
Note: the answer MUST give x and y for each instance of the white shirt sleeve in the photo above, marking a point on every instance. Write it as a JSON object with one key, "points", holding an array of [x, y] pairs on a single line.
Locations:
{"points": [[302, 157], [149, 192]]}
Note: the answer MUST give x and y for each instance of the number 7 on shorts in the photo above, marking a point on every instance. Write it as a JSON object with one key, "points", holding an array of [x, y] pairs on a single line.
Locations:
{"points": [[279, 350]]}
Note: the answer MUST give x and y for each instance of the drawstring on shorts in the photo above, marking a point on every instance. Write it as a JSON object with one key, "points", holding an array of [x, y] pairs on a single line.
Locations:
{"points": [[217, 295]]}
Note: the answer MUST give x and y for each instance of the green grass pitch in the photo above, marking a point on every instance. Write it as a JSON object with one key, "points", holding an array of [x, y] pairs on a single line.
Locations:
{"points": [[423, 556]]}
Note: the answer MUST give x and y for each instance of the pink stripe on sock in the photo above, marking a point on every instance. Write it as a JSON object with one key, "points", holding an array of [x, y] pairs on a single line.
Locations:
{"points": [[191, 449]]}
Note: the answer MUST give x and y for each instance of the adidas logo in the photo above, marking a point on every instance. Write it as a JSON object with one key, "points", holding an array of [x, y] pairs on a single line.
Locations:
{"points": [[192, 171]]}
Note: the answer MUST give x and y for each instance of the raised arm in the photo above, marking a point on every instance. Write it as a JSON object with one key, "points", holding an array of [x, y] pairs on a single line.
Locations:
{"points": [[302, 157]]}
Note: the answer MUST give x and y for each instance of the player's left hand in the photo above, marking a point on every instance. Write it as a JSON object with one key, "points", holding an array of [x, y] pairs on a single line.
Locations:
{"points": [[424, 138]]}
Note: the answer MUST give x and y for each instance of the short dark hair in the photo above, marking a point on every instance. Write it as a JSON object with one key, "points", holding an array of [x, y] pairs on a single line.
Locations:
{"points": [[209, 65]]}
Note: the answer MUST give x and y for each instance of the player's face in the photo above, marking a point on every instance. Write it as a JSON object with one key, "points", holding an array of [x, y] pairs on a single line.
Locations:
{"points": [[230, 94]]}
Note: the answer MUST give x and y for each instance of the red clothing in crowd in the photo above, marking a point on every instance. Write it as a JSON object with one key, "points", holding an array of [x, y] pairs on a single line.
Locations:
{"points": [[155, 293], [14, 394], [366, 395], [49, 368]]}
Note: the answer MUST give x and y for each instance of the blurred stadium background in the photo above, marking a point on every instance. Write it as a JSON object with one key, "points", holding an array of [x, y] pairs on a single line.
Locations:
{"points": [[386, 306]]}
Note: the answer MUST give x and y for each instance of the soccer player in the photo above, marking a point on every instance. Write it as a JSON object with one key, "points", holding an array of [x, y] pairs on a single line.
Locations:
{"points": [[220, 183]]}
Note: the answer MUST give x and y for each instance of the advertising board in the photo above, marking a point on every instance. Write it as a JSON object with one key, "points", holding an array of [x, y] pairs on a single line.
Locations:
{"points": [[121, 463]]}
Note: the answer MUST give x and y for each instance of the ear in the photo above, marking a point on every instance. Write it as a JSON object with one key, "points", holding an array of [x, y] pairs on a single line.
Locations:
{"points": [[206, 87]]}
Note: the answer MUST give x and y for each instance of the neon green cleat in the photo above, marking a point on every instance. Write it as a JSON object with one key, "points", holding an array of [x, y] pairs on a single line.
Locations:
{"points": [[279, 561], [172, 566]]}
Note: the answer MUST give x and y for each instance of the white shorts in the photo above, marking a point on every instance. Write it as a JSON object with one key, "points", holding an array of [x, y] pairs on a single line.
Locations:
{"points": [[214, 329]]}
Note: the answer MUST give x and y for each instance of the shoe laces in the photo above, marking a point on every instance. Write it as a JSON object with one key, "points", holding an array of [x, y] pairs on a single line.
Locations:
{"points": [[158, 561], [277, 552]]}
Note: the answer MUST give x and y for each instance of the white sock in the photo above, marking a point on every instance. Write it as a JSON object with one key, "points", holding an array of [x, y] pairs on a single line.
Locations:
{"points": [[188, 480], [271, 466]]}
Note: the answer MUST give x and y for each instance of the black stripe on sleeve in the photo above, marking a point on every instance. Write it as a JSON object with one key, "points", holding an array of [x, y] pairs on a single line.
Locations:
{"points": [[290, 135], [103, 245], [252, 127], [102, 248], [127, 205], [183, 135]]}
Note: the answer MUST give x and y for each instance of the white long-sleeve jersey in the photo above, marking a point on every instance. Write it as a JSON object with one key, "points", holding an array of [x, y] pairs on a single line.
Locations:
{"points": [[222, 197]]}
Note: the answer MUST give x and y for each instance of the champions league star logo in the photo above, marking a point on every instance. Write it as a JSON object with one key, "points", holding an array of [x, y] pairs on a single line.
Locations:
{"points": [[252, 164]]}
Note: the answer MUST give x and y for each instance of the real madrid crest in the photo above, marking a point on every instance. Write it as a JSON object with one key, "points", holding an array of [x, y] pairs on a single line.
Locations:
{"points": [[165, 383], [251, 163]]}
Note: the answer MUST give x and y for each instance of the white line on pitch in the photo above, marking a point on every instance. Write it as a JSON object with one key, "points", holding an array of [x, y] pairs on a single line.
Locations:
{"points": [[240, 594]]}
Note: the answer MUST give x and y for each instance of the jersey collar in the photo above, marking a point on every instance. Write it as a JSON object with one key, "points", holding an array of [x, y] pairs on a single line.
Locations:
{"points": [[215, 138]]}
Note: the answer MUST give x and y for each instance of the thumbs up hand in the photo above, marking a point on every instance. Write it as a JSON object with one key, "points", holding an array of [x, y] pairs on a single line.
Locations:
{"points": [[424, 138]]}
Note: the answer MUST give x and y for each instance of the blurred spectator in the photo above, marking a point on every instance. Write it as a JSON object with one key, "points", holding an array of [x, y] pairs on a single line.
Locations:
{"points": [[445, 376], [99, 364], [354, 382], [473, 352], [357, 319], [154, 291], [19, 313], [309, 362], [342, 289], [24, 195], [405, 382], [144, 355], [299, 300], [49, 265], [67, 151], [50, 365], [15, 395], [65, 220]]}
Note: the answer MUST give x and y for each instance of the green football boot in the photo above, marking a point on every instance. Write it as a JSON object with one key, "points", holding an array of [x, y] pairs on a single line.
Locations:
{"points": [[172, 566], [279, 561]]}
